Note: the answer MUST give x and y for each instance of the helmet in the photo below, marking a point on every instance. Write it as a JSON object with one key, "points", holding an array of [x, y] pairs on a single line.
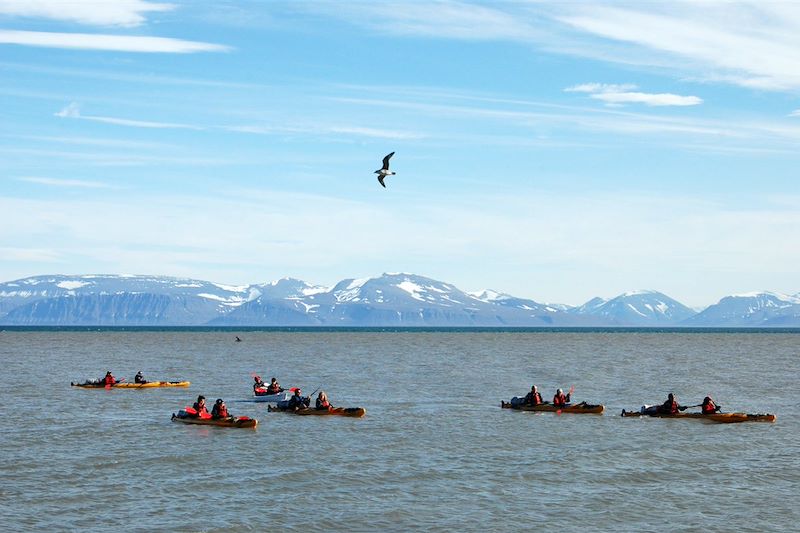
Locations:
{"points": [[560, 391]]}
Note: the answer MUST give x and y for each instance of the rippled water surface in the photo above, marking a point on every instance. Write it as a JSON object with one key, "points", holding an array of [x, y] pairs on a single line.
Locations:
{"points": [[435, 451]]}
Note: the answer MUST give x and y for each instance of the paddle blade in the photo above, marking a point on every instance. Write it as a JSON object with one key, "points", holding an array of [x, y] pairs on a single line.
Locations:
{"points": [[293, 389]]}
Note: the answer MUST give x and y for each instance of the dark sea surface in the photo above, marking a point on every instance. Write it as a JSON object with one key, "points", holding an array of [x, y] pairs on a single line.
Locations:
{"points": [[435, 452]]}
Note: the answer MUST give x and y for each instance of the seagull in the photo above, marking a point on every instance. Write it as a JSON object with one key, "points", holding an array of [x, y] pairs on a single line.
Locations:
{"points": [[384, 171]]}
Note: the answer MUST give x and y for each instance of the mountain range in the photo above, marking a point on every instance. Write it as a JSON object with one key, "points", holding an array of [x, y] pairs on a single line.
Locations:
{"points": [[390, 300]]}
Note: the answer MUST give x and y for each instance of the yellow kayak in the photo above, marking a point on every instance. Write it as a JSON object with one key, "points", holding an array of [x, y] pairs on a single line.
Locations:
{"points": [[723, 418], [124, 385]]}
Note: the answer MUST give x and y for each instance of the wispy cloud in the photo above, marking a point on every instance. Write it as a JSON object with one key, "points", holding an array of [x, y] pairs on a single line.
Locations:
{"points": [[624, 94], [37, 255], [73, 111], [795, 113], [438, 19], [55, 182], [124, 13], [358, 131], [750, 43], [98, 41]]}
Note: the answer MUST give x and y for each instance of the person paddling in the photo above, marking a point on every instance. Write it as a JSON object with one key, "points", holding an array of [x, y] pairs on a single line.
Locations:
{"points": [[220, 410], [258, 384], [709, 407], [533, 397], [274, 387], [561, 400], [200, 406], [670, 407], [109, 380], [297, 401], [322, 401], [139, 378]]}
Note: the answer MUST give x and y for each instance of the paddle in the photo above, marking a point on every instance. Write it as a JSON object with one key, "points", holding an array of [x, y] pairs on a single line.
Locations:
{"points": [[685, 407]]}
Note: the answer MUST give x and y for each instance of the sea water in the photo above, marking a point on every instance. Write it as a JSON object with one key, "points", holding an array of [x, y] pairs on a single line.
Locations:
{"points": [[434, 452]]}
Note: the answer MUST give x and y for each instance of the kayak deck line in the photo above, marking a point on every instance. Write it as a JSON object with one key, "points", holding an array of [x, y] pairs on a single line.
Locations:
{"points": [[723, 418]]}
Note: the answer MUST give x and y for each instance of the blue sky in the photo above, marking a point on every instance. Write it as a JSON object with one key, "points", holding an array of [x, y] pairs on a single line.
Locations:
{"points": [[555, 151]]}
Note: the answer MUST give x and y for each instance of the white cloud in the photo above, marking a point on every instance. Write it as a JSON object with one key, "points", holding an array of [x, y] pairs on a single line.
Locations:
{"points": [[29, 255], [73, 111], [623, 94], [98, 41], [321, 129], [438, 19], [600, 87], [55, 182], [750, 43], [125, 13], [795, 113]]}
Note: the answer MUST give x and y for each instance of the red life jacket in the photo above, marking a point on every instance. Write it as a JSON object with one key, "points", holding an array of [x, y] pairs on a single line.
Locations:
{"points": [[325, 404], [559, 400], [222, 412], [671, 407], [709, 408], [200, 411], [109, 380]]}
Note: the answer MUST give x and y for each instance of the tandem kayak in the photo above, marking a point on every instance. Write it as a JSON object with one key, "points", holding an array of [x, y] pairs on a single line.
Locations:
{"points": [[723, 418], [575, 408], [125, 385], [356, 412], [230, 422], [264, 397]]}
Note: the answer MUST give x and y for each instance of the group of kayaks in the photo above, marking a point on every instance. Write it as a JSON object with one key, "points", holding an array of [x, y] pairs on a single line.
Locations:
{"points": [[189, 415], [644, 411]]}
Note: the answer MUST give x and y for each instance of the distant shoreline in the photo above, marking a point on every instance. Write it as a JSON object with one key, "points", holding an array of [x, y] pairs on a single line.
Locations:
{"points": [[395, 329]]}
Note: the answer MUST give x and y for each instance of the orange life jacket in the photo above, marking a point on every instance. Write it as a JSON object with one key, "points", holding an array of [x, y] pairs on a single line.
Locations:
{"points": [[709, 408], [560, 400]]}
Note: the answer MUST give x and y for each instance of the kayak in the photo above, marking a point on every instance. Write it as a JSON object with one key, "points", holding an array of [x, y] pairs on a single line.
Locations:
{"points": [[230, 422], [723, 418], [124, 385], [356, 412], [575, 408], [279, 397]]}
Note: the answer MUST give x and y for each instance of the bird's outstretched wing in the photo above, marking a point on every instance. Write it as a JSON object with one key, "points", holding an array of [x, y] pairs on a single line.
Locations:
{"points": [[380, 179], [386, 161]]}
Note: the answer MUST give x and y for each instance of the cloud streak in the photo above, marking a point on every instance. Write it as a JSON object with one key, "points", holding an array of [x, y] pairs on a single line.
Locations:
{"points": [[624, 94], [80, 184], [73, 111], [125, 13], [99, 41]]}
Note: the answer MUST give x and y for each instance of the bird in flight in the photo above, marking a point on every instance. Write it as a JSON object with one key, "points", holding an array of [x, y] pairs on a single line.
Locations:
{"points": [[384, 171]]}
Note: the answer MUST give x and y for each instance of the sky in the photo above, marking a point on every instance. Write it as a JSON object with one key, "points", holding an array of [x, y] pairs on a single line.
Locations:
{"points": [[556, 151]]}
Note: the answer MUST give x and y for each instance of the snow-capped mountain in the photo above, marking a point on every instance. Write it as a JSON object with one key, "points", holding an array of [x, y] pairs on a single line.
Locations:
{"points": [[396, 299], [637, 308], [116, 300], [755, 309]]}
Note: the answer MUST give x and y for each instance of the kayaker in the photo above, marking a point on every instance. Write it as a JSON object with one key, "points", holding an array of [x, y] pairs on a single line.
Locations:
{"points": [[200, 406], [274, 387], [670, 407], [139, 378], [109, 379], [533, 397], [258, 384], [219, 410], [709, 407], [297, 401], [560, 400], [322, 401]]}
